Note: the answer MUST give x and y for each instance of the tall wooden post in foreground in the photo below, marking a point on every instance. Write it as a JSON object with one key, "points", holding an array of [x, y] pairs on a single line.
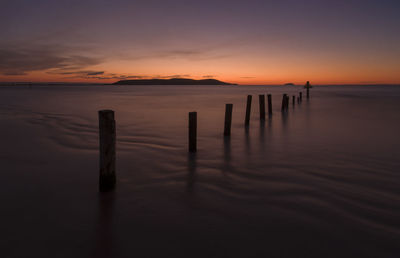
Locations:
{"points": [[248, 110], [107, 179], [228, 119], [192, 131], [262, 106], [308, 89], [269, 105]]}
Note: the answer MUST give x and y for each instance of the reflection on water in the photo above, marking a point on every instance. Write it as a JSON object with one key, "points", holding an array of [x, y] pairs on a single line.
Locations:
{"points": [[285, 116], [227, 155], [262, 135], [191, 178], [323, 176], [105, 231], [247, 141]]}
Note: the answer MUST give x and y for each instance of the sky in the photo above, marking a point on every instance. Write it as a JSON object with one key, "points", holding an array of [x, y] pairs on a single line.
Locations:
{"points": [[245, 42]]}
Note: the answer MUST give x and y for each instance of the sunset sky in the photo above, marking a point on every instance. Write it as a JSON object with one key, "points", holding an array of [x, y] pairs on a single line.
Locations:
{"points": [[246, 42]]}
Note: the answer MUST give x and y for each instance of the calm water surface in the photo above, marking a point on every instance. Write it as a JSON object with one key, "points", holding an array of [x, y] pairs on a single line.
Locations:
{"points": [[323, 181]]}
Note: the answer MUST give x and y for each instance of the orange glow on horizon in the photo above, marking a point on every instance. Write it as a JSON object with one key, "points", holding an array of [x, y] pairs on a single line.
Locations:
{"points": [[316, 80], [246, 72]]}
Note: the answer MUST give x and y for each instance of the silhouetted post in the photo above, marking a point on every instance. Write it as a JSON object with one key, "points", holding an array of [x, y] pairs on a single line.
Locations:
{"points": [[269, 105], [228, 119], [301, 96], [308, 89], [248, 110], [284, 98], [287, 103], [192, 131], [293, 100], [107, 138], [262, 106]]}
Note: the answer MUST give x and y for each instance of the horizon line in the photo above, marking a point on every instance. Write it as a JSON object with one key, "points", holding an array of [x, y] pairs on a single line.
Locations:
{"points": [[236, 84]]}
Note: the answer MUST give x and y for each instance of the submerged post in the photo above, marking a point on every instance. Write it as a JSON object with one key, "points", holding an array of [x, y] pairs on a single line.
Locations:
{"points": [[228, 119], [269, 105], [248, 110], [308, 89], [293, 100], [107, 138], [192, 131], [262, 106]]}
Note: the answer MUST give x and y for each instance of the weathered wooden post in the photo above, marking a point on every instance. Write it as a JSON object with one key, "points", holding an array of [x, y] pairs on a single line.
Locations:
{"points": [[293, 100], [262, 106], [192, 131], [284, 102], [301, 96], [248, 110], [107, 139], [269, 105], [228, 119], [287, 103], [308, 89]]}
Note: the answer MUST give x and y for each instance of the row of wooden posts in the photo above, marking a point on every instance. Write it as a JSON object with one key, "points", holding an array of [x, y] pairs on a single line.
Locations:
{"points": [[107, 180], [228, 115]]}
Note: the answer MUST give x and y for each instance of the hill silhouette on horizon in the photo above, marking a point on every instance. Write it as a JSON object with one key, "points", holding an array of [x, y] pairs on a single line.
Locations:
{"points": [[173, 81]]}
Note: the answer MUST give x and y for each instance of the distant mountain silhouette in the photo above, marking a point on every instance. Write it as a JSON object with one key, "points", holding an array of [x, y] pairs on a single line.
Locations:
{"points": [[174, 81]]}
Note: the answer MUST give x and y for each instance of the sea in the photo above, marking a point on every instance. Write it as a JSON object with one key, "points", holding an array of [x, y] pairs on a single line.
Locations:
{"points": [[320, 180]]}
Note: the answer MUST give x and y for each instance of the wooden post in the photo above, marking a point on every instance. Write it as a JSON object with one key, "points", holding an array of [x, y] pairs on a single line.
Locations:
{"points": [[248, 110], [287, 103], [269, 105], [228, 119], [301, 96], [262, 106], [293, 100], [107, 179], [284, 98], [308, 89], [192, 131]]}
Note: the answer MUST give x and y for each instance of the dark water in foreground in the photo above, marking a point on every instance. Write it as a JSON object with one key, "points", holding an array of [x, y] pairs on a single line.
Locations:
{"points": [[322, 182]]}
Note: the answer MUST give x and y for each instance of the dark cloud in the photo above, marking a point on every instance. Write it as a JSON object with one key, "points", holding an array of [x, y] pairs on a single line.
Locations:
{"points": [[95, 73], [113, 76], [14, 73], [135, 77], [247, 77], [208, 76], [80, 73], [100, 75], [171, 76], [72, 63], [20, 61]]}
